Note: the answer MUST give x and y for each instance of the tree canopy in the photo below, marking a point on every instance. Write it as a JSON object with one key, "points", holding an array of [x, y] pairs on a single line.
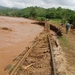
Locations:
{"points": [[40, 13]]}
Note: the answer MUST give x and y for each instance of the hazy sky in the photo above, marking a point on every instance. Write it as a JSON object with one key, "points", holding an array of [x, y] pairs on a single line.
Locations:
{"points": [[42, 3]]}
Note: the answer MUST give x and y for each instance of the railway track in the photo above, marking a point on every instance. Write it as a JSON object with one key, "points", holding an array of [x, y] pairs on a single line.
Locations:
{"points": [[37, 59]]}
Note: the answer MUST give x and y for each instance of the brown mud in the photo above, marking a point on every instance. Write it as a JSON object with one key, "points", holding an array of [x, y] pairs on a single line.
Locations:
{"points": [[15, 35]]}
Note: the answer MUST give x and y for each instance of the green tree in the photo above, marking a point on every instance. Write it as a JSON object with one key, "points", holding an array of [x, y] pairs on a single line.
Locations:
{"points": [[72, 20], [33, 13]]}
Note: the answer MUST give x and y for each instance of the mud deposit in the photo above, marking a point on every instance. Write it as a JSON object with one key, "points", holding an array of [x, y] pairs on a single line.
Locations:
{"points": [[39, 60]]}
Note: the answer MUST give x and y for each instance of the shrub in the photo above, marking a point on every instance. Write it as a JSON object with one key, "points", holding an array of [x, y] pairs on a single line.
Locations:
{"points": [[63, 21], [41, 18]]}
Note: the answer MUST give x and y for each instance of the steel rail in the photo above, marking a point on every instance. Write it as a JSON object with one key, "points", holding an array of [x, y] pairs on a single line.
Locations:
{"points": [[51, 49], [52, 56]]}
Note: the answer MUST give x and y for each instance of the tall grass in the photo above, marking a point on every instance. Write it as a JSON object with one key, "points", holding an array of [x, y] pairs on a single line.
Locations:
{"points": [[55, 21], [64, 42]]}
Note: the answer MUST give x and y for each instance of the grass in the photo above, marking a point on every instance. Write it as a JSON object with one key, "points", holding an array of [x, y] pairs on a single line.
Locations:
{"points": [[40, 18], [55, 21], [63, 41]]}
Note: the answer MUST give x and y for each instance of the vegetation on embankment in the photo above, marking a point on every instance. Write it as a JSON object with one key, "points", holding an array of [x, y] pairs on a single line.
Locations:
{"points": [[64, 41]]}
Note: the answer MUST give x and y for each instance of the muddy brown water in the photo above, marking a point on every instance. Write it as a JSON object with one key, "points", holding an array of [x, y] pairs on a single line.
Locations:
{"points": [[15, 35]]}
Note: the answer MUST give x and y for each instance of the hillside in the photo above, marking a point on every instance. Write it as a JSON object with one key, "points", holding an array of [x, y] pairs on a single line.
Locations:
{"points": [[5, 11], [3, 8]]}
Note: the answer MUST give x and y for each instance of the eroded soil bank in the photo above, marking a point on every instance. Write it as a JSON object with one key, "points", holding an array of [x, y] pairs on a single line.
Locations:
{"points": [[15, 35]]}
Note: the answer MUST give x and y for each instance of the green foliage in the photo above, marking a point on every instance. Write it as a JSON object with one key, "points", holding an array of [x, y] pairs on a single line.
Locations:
{"points": [[63, 21], [72, 20], [55, 21], [41, 18], [33, 12], [64, 41], [40, 13]]}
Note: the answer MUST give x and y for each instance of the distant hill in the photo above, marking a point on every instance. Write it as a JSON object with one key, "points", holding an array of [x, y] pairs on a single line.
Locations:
{"points": [[6, 11], [4, 8]]}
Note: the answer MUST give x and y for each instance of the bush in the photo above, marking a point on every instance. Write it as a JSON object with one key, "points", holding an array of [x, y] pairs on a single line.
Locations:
{"points": [[63, 21], [38, 18], [41, 18], [72, 20]]}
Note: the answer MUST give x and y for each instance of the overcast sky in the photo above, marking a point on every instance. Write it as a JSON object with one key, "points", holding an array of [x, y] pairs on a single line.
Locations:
{"points": [[42, 3]]}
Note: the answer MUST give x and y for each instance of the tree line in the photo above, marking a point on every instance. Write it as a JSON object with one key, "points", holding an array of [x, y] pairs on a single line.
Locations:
{"points": [[40, 13]]}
